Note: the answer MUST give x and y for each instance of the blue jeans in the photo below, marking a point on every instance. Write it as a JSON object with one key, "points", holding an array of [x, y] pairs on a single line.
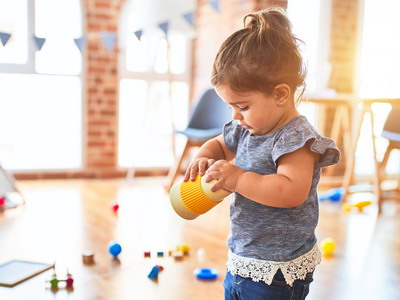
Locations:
{"points": [[240, 288]]}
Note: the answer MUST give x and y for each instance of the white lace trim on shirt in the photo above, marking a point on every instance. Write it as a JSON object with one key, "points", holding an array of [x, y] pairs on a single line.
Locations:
{"points": [[264, 270]]}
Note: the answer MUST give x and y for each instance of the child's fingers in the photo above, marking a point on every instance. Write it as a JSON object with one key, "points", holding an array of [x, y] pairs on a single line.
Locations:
{"points": [[202, 167], [193, 172]]}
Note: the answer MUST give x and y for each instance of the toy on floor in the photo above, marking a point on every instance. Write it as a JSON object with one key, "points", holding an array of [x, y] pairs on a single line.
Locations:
{"points": [[115, 206], [193, 198], [359, 205], [327, 246], [206, 273], [54, 281], [88, 257], [154, 272], [114, 249], [334, 195]]}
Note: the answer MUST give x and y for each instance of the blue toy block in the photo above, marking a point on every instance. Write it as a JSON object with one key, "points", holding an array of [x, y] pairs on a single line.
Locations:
{"points": [[154, 272]]}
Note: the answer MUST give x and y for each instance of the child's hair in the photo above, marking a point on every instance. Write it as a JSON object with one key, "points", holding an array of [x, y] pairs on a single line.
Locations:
{"points": [[261, 55]]}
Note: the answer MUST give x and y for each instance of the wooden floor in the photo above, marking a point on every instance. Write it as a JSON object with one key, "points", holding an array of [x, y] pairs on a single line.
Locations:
{"points": [[63, 218]]}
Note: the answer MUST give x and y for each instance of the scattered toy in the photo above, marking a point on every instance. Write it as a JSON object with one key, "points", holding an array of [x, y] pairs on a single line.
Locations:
{"points": [[206, 273]]}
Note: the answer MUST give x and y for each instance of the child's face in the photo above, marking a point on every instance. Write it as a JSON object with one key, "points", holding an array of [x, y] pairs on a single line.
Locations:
{"points": [[255, 111]]}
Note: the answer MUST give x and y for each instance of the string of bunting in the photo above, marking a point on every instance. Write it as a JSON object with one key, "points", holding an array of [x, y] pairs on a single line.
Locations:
{"points": [[109, 38]]}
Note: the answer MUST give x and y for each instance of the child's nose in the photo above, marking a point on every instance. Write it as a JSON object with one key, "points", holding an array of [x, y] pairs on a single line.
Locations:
{"points": [[236, 115]]}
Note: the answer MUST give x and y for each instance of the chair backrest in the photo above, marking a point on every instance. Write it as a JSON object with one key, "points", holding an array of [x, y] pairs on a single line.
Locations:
{"points": [[210, 112], [391, 129]]}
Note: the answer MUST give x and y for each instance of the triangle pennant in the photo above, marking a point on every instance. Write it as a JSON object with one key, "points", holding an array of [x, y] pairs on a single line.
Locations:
{"points": [[189, 17], [39, 42], [4, 37], [164, 26], [109, 39], [215, 4], [80, 43], [138, 34]]}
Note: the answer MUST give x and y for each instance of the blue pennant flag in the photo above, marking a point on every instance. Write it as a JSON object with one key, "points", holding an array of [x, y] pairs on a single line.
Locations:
{"points": [[189, 17], [164, 26], [39, 42], [215, 5], [80, 43], [4, 37], [109, 39], [138, 34]]}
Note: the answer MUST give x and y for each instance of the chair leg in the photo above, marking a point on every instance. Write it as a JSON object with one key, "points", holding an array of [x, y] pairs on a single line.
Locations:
{"points": [[175, 169]]}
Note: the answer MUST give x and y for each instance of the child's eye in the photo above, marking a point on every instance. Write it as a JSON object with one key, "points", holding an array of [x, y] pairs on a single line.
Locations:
{"points": [[244, 108]]}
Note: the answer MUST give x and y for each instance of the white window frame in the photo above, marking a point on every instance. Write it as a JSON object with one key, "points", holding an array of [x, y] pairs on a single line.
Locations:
{"points": [[30, 68]]}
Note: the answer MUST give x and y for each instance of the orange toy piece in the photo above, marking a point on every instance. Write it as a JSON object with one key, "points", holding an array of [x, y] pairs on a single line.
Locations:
{"points": [[359, 205]]}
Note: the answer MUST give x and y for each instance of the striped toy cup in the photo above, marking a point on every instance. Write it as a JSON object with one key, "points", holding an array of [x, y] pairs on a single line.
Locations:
{"points": [[193, 198]]}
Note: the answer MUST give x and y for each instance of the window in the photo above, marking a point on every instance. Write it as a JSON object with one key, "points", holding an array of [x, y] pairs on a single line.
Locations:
{"points": [[313, 30], [378, 76], [41, 101], [154, 85]]}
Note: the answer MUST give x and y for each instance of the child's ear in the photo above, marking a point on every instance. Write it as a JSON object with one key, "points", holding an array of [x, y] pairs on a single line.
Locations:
{"points": [[281, 93]]}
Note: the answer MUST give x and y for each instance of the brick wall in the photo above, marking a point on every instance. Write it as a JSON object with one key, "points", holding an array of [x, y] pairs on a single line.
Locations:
{"points": [[344, 31], [101, 89]]}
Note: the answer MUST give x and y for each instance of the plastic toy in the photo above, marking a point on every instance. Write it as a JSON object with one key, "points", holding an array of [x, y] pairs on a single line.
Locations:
{"points": [[193, 198], [54, 281], [206, 273], [327, 246], [114, 206], [88, 257], [359, 205], [334, 195], [147, 254], [154, 272], [183, 248], [114, 249], [160, 254]]}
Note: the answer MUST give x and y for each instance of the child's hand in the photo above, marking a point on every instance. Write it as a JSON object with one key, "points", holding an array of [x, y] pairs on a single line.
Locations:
{"points": [[225, 173], [199, 166]]}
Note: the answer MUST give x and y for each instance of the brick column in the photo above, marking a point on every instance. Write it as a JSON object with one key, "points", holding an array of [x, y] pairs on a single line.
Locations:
{"points": [[101, 89]]}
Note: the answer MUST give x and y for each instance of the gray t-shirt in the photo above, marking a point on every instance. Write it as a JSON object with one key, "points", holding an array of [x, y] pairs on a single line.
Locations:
{"points": [[271, 233]]}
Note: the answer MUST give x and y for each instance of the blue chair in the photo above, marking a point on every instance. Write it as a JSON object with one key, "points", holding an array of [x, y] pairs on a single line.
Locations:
{"points": [[207, 119], [391, 131]]}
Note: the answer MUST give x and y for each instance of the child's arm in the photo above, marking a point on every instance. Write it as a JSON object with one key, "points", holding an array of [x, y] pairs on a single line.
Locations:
{"points": [[211, 151], [288, 188]]}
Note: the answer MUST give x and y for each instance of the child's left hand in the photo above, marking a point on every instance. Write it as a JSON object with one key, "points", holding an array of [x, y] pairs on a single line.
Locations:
{"points": [[226, 175]]}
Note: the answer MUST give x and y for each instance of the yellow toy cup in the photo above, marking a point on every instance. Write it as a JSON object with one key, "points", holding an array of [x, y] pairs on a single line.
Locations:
{"points": [[193, 198]]}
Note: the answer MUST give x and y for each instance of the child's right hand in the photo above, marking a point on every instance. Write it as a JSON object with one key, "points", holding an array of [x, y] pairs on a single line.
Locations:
{"points": [[198, 166]]}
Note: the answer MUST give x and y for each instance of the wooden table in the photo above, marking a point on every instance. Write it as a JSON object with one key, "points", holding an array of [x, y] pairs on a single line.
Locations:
{"points": [[363, 108]]}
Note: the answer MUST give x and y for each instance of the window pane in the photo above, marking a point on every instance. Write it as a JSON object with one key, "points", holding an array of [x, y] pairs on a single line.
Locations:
{"points": [[380, 60], [147, 55], [59, 54], [13, 19], [145, 128], [308, 30], [43, 124]]}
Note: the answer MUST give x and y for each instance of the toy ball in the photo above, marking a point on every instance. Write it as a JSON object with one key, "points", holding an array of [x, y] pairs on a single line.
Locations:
{"points": [[327, 245], [193, 198], [114, 249]]}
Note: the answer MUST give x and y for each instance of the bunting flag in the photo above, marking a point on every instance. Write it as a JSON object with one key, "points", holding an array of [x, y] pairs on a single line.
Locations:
{"points": [[109, 39], [164, 26], [4, 37], [80, 43], [138, 34], [215, 4], [189, 17], [39, 42]]}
